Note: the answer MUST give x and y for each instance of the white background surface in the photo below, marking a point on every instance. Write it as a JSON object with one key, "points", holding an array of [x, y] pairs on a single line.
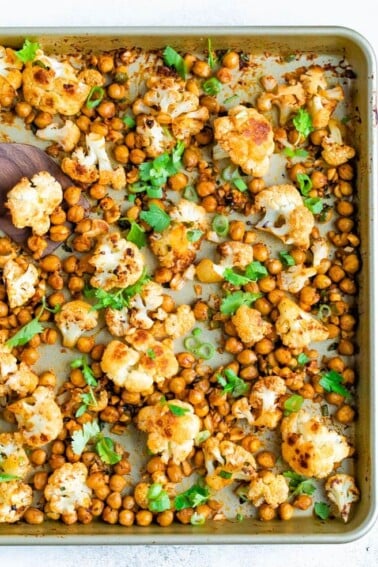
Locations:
{"points": [[356, 14]]}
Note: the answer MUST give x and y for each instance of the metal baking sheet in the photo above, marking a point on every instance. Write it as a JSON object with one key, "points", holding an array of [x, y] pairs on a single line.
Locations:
{"points": [[269, 44]]}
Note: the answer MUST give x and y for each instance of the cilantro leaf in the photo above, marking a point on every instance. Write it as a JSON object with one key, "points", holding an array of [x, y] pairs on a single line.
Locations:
{"points": [[158, 219], [303, 122], [194, 496], [28, 51], [305, 183], [299, 484], [233, 301], [88, 399], [255, 271], [232, 384], [106, 452], [302, 359], [286, 258], [177, 410], [332, 381], [322, 510], [129, 121], [24, 334], [88, 375], [158, 499], [137, 235], [81, 437], [234, 278], [295, 152], [225, 474], [174, 59], [105, 298]]}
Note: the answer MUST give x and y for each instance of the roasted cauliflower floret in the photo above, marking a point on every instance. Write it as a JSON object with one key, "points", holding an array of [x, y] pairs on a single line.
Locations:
{"points": [[82, 166], [38, 416], [13, 458], [117, 262], [74, 319], [342, 491], [285, 215], [309, 446], [32, 201], [66, 489], [10, 76], [144, 303], [320, 251], [178, 324], [190, 124], [172, 247], [313, 80], [55, 87], [226, 462], [247, 137], [15, 377], [20, 283], [264, 399], [152, 137], [242, 410], [66, 136], [172, 428], [117, 321], [335, 151], [296, 328], [8, 251], [15, 499], [249, 325], [270, 488], [295, 278], [287, 98], [321, 101], [235, 254]]}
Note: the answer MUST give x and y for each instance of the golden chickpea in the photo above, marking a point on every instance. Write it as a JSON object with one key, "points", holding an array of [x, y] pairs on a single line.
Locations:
{"points": [[128, 502], [319, 179], [186, 359], [266, 459], [237, 230], [295, 170], [59, 233], [102, 492], [265, 346], [144, 518], [177, 385], [116, 91], [185, 515], [75, 284], [48, 378], [97, 507], [174, 473], [351, 263], [4, 310], [345, 414], [29, 356], [260, 252], [137, 156], [201, 69], [56, 281], [105, 63], [50, 263], [348, 286], [72, 195], [96, 480], [196, 397], [285, 511], [34, 516], [178, 182], [263, 305], [345, 208], [190, 158], [75, 213], [267, 284], [246, 356], [224, 75], [126, 518], [266, 512], [231, 60], [38, 457], [40, 480], [165, 519], [85, 344], [233, 345], [345, 171], [109, 515], [114, 500], [121, 154], [283, 356], [336, 273], [43, 119], [205, 188], [256, 185], [274, 266], [84, 516], [346, 347], [302, 502], [98, 191], [23, 109], [321, 281]]}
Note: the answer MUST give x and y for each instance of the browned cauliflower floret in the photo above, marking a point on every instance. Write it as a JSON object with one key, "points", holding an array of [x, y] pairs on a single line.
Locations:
{"points": [[285, 215], [321, 102], [142, 305], [32, 201], [153, 137], [82, 166], [20, 282], [117, 262], [320, 251], [74, 319], [295, 278], [335, 151], [15, 499], [226, 462], [172, 428], [13, 458], [342, 491], [249, 325], [66, 489], [247, 137], [264, 399], [242, 410], [235, 254], [296, 328], [38, 416], [309, 446], [117, 321], [313, 80], [10, 76], [288, 99], [270, 488], [15, 377], [55, 86], [172, 247], [8, 250], [66, 136], [178, 324]]}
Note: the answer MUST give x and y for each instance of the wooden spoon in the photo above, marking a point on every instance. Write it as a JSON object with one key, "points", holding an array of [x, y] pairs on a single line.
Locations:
{"points": [[24, 160]]}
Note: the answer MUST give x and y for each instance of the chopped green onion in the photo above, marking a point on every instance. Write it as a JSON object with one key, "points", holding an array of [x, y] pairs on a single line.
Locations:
{"points": [[324, 312], [197, 332], [314, 204], [194, 235], [205, 351], [240, 184], [154, 192], [211, 59], [174, 59], [212, 86], [286, 258], [220, 224], [197, 519], [154, 491], [96, 94], [190, 194], [293, 404], [230, 99], [305, 183], [129, 121], [302, 359]]}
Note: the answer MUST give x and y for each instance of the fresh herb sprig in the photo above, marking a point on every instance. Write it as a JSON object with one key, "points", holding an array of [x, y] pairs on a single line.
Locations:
{"points": [[34, 327], [91, 432], [231, 383]]}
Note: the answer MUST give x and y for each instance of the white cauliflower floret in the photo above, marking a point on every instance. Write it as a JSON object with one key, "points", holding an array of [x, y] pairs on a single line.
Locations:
{"points": [[320, 251], [187, 212], [288, 99], [20, 283], [74, 318], [117, 321], [15, 377], [117, 262], [295, 278], [153, 137], [180, 323], [264, 399], [13, 458], [322, 101], [247, 137], [270, 488], [341, 489], [10, 75], [81, 166], [285, 215], [309, 446], [249, 325], [66, 489], [313, 80], [56, 87], [172, 428], [15, 499], [148, 300], [190, 124], [226, 462], [235, 254], [296, 328], [38, 416], [32, 201], [67, 136], [242, 410], [335, 151]]}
